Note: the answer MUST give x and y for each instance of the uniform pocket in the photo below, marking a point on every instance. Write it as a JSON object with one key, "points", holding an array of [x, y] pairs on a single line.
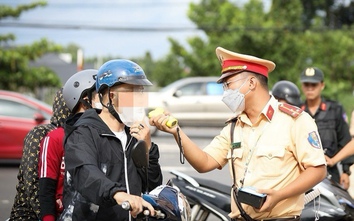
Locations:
{"points": [[237, 154], [270, 160]]}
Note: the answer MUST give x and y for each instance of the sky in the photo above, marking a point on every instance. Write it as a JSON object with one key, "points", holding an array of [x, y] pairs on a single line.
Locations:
{"points": [[126, 28]]}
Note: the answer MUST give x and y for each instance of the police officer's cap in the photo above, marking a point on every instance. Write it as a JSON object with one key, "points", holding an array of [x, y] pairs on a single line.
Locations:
{"points": [[312, 75], [234, 63]]}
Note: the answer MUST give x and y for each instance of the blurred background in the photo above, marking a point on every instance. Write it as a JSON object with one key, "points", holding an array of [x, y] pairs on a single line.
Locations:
{"points": [[174, 39]]}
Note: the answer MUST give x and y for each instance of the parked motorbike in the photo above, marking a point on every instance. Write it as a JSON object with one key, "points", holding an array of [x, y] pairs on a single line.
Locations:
{"points": [[168, 202], [326, 201]]}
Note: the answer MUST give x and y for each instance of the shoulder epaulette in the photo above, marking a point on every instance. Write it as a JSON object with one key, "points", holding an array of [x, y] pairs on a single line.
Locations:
{"points": [[290, 110]]}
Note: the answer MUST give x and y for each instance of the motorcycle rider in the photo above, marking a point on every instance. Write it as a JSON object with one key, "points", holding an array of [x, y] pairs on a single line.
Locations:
{"points": [[330, 118], [287, 91], [276, 147], [98, 150], [78, 95]]}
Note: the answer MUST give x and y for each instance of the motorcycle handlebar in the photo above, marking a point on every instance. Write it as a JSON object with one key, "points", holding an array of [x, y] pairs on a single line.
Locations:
{"points": [[146, 212], [126, 205]]}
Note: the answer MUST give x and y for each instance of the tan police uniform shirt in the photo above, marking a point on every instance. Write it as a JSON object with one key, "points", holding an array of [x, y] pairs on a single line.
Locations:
{"points": [[278, 147]]}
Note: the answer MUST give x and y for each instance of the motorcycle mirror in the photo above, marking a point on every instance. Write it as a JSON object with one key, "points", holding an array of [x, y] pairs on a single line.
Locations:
{"points": [[140, 154]]}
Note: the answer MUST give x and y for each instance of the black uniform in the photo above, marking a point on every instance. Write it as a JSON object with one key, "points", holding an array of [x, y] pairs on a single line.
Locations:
{"points": [[99, 167], [334, 132]]}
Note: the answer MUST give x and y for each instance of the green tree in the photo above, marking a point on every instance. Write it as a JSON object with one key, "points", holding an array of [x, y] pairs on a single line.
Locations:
{"points": [[163, 71], [333, 14], [280, 35], [15, 73], [225, 25]]}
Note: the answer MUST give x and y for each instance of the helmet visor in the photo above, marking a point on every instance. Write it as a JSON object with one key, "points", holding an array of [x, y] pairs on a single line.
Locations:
{"points": [[135, 80]]}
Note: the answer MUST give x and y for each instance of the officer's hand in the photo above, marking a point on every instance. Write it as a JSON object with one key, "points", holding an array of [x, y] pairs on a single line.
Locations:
{"points": [[344, 181], [329, 161], [271, 201], [159, 121]]}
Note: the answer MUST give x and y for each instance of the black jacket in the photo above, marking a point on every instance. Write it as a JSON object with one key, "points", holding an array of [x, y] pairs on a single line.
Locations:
{"points": [[97, 167], [333, 130]]}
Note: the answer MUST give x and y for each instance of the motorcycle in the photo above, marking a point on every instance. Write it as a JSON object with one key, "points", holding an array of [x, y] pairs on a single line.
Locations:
{"points": [[168, 202], [326, 201]]}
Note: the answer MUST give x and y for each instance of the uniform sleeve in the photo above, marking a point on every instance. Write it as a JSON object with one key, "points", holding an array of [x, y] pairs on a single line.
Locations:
{"points": [[81, 161], [219, 146], [308, 147]]}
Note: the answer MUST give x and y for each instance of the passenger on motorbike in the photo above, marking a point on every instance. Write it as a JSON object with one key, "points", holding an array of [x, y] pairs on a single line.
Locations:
{"points": [[98, 150]]}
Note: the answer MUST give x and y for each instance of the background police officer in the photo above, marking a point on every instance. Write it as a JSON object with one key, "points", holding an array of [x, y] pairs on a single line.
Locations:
{"points": [[330, 118]]}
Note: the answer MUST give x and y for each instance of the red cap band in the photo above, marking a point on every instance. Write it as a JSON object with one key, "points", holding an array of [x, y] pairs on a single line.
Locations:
{"points": [[236, 65]]}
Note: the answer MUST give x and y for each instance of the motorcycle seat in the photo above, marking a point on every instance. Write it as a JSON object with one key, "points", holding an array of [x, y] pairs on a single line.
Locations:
{"points": [[214, 185]]}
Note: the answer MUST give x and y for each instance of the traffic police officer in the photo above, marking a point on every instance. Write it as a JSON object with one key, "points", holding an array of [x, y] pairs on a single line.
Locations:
{"points": [[330, 118], [275, 147]]}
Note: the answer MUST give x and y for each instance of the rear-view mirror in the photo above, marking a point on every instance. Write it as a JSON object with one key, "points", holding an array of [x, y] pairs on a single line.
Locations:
{"points": [[140, 154], [39, 118], [177, 93]]}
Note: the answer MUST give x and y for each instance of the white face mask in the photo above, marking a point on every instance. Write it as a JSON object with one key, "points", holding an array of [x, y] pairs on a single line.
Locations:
{"points": [[130, 115], [97, 105], [235, 100]]}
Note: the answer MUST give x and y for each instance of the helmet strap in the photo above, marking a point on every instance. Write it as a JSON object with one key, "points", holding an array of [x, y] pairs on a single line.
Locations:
{"points": [[110, 107], [114, 112], [86, 103]]}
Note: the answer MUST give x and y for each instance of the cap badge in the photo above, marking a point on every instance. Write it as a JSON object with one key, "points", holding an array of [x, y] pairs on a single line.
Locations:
{"points": [[310, 72]]}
